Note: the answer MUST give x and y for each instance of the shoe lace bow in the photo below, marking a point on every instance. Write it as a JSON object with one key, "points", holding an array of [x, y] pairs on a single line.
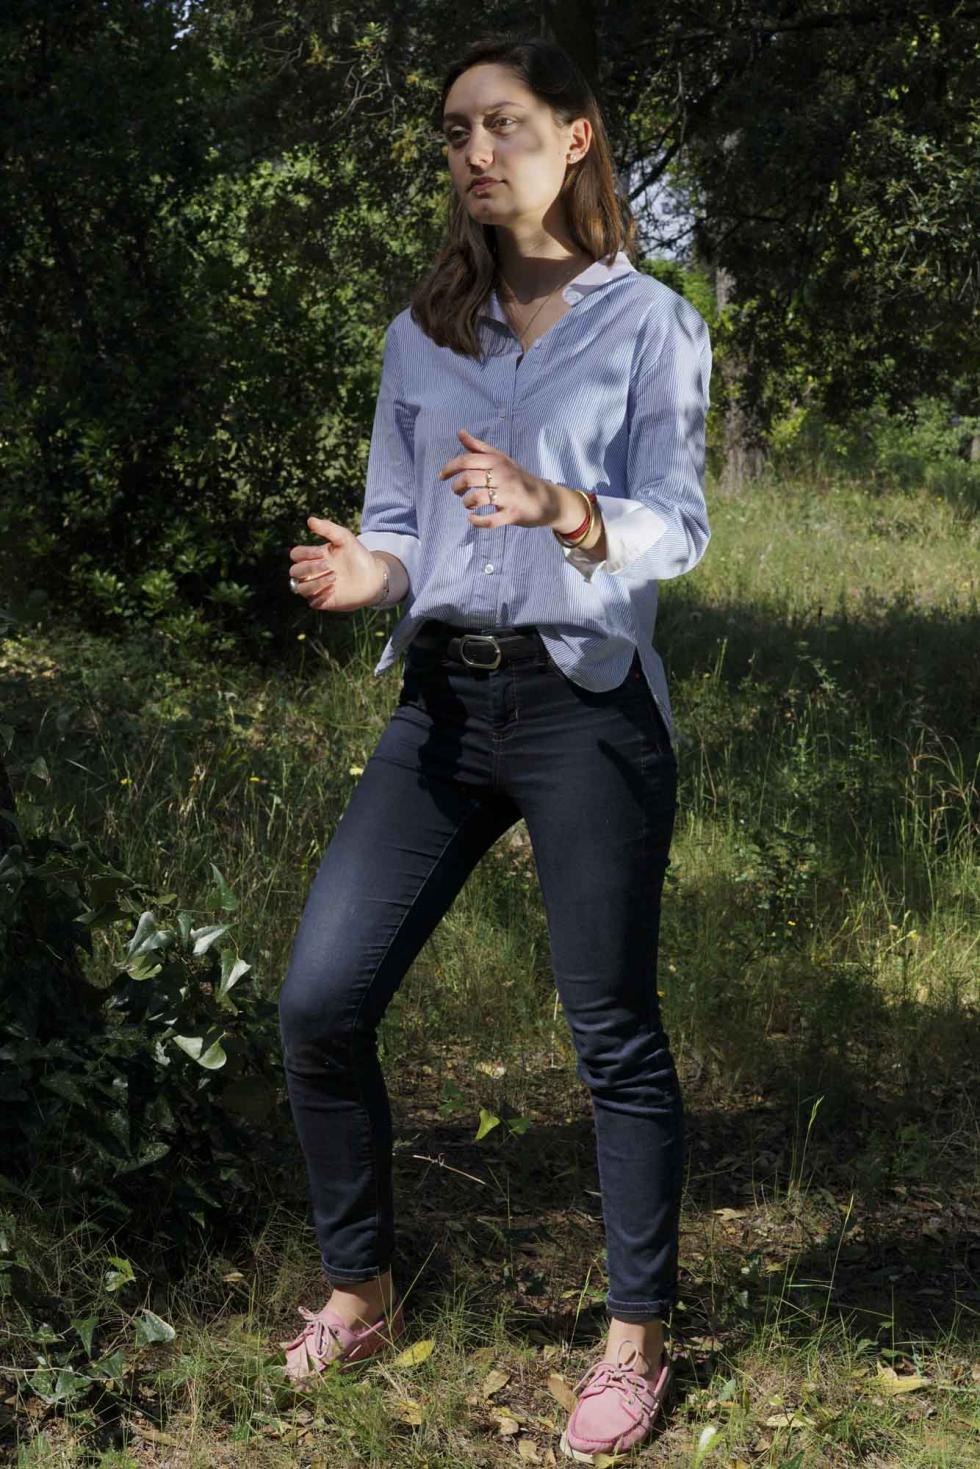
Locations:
{"points": [[624, 1379], [316, 1328]]}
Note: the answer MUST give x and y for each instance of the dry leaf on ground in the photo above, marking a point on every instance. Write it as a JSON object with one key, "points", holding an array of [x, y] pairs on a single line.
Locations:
{"points": [[890, 1382], [408, 1411], [494, 1381], [789, 1420], [561, 1391], [416, 1353]]}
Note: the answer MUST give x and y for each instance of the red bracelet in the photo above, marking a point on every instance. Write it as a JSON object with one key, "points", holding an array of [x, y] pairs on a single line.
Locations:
{"points": [[570, 536]]}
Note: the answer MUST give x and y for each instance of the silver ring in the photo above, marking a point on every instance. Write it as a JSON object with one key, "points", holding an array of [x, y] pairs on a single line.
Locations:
{"points": [[293, 584], [493, 496]]}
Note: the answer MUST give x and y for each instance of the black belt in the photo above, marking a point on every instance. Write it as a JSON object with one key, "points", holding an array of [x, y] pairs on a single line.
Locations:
{"points": [[476, 649]]}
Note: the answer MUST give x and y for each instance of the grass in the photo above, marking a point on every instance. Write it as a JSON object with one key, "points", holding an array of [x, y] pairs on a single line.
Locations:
{"points": [[819, 970]]}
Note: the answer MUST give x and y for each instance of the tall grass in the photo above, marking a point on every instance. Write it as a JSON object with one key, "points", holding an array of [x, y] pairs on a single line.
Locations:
{"points": [[819, 972]]}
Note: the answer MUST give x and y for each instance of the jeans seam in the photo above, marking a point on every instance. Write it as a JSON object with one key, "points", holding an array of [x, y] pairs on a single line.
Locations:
{"points": [[654, 1310], [367, 990], [352, 1277], [639, 1305]]}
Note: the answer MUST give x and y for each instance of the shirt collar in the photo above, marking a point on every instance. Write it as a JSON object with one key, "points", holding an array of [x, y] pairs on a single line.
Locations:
{"points": [[590, 279]]}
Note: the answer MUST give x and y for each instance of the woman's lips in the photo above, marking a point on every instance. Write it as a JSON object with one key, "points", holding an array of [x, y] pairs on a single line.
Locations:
{"points": [[480, 188]]}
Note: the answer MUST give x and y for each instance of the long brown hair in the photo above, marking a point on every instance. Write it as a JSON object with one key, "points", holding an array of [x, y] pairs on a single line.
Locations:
{"points": [[446, 302]]}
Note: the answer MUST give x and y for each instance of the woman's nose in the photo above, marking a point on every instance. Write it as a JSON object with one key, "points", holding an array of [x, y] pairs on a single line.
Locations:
{"points": [[478, 155]]}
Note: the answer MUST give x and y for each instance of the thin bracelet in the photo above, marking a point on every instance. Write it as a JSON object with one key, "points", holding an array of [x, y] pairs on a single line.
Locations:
{"points": [[379, 601]]}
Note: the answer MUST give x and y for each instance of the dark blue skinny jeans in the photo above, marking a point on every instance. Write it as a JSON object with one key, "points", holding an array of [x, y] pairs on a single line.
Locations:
{"points": [[464, 755]]}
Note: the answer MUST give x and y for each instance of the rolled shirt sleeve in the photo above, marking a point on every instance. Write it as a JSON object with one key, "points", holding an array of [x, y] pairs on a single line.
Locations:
{"points": [[388, 519], [660, 529]]}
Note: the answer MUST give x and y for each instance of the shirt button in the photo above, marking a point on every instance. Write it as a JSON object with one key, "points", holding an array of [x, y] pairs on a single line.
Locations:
{"points": [[489, 566]]}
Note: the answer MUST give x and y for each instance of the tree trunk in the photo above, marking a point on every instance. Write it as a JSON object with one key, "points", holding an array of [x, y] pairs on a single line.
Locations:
{"points": [[744, 454]]}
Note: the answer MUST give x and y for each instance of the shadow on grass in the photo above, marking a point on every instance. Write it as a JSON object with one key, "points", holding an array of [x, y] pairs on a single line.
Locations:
{"points": [[893, 665], [524, 1231]]}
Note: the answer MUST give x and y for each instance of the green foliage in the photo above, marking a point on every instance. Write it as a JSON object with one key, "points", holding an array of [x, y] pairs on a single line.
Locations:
{"points": [[140, 1103], [837, 185], [928, 445], [75, 1358], [143, 1098], [195, 287]]}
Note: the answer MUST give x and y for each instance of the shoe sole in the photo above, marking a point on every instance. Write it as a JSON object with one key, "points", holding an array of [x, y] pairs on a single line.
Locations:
{"points": [[583, 1456], [589, 1458]]}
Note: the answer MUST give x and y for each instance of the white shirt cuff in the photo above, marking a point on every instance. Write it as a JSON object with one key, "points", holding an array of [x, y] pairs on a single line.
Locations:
{"points": [[405, 547], [631, 529]]}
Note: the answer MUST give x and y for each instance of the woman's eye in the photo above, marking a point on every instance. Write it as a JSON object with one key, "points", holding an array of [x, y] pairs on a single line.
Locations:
{"points": [[453, 136]]}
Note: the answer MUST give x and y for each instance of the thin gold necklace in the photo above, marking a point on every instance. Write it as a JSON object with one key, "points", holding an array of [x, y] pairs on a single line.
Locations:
{"points": [[527, 324]]}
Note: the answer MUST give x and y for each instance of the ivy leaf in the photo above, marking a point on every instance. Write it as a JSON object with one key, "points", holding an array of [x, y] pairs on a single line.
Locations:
{"points": [[205, 937], [121, 1275], [147, 936], [232, 969], [193, 1045], [226, 897], [85, 1328], [151, 1327], [487, 1122]]}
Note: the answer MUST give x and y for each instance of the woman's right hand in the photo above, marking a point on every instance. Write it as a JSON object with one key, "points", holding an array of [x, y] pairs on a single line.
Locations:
{"points": [[341, 575]]}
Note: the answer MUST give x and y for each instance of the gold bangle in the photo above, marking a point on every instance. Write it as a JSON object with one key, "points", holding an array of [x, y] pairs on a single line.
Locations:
{"points": [[586, 543], [577, 541]]}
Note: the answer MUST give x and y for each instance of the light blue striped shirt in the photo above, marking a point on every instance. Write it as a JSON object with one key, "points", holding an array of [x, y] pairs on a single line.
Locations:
{"points": [[611, 398]]}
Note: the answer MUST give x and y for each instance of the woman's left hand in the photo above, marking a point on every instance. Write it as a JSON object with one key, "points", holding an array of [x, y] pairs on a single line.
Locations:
{"points": [[522, 498]]}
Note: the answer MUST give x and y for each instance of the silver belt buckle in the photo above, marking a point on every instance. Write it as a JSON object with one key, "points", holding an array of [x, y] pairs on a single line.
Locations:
{"points": [[480, 638]]}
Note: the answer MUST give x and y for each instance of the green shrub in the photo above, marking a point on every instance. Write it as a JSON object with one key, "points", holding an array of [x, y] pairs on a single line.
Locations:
{"points": [[142, 1100]]}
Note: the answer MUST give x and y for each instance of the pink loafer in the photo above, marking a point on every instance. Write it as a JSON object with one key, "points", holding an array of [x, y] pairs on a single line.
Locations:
{"points": [[617, 1408], [327, 1338]]}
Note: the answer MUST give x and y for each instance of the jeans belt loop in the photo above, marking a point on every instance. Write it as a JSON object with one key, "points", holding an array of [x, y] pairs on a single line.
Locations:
{"points": [[480, 638]]}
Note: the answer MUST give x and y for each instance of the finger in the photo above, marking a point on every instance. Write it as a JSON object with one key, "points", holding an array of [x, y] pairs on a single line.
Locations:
{"points": [[307, 553], [324, 596], [315, 577], [465, 461], [487, 521], [310, 566], [472, 441], [320, 526], [472, 480], [313, 586]]}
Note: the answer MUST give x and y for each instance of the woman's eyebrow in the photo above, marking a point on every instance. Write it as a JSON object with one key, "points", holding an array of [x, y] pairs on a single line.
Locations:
{"points": [[449, 116]]}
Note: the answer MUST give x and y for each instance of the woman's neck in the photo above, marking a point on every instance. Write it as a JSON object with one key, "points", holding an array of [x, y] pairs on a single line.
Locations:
{"points": [[530, 275]]}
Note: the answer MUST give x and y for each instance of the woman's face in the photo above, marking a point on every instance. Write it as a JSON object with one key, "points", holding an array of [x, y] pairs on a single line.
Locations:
{"points": [[493, 125]]}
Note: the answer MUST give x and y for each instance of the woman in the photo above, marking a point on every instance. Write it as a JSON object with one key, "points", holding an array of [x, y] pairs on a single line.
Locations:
{"points": [[536, 467]]}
